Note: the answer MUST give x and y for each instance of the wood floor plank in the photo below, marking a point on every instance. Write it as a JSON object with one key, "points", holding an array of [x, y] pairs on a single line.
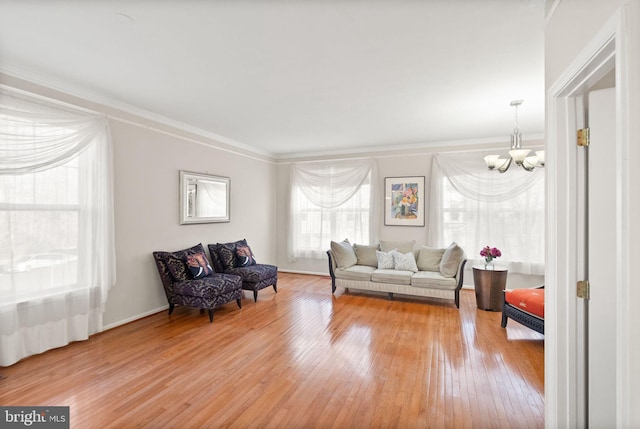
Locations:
{"points": [[301, 358]]}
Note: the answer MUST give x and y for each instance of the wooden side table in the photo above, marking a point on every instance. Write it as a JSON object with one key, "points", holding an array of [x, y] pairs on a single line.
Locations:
{"points": [[489, 285]]}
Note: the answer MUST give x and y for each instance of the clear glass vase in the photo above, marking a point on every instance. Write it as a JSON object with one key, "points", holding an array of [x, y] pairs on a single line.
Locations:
{"points": [[488, 264]]}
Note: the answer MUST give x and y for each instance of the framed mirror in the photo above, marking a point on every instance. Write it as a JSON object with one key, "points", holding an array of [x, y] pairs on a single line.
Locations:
{"points": [[203, 198]]}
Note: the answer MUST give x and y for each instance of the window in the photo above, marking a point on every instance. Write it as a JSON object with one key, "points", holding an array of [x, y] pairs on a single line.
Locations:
{"points": [[516, 226], [39, 225], [57, 253], [329, 201], [475, 208]]}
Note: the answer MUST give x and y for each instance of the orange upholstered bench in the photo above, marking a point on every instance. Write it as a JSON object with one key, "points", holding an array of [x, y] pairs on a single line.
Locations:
{"points": [[525, 306]]}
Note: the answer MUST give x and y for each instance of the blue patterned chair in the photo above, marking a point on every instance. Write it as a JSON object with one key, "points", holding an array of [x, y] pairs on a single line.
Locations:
{"points": [[189, 280], [237, 258]]}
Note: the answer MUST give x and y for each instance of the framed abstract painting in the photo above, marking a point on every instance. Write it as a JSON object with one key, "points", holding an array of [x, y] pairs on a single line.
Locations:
{"points": [[404, 201]]}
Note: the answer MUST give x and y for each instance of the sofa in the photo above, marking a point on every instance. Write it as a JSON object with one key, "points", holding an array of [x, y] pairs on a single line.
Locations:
{"points": [[398, 267]]}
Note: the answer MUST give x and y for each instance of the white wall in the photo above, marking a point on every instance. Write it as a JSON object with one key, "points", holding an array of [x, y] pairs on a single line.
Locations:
{"points": [[146, 210]]}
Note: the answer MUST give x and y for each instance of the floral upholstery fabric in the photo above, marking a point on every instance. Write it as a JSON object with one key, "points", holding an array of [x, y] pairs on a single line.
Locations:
{"points": [[176, 262], [223, 255]]}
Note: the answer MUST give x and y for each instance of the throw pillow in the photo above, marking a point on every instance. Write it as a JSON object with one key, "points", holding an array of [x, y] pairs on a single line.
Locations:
{"points": [[244, 256], [344, 254], [227, 255], [400, 246], [198, 265], [176, 262], [429, 259], [451, 258], [385, 260], [366, 255], [404, 261]]}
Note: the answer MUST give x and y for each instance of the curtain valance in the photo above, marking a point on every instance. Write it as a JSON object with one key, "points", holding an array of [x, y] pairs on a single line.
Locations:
{"points": [[35, 136], [330, 184]]}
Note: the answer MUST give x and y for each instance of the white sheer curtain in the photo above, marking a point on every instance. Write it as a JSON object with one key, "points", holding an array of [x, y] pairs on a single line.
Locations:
{"points": [[57, 255], [330, 200], [476, 207]]}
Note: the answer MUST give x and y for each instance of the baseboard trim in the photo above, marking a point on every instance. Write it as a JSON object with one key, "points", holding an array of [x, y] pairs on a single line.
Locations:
{"points": [[134, 318]]}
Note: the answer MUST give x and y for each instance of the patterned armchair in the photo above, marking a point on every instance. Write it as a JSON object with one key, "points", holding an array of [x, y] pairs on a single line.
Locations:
{"points": [[237, 258], [189, 280]]}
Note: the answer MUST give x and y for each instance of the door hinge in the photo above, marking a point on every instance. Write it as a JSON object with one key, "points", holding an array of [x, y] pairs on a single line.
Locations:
{"points": [[583, 137], [584, 289]]}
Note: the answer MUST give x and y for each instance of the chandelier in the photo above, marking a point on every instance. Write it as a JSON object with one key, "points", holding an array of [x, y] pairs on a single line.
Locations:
{"points": [[516, 154]]}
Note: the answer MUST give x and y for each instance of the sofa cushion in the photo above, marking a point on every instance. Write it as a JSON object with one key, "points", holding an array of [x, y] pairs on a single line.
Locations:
{"points": [[529, 300], [392, 276], [385, 259], [255, 273], [400, 246], [198, 265], [404, 262], [366, 255], [429, 259], [343, 253], [357, 272], [433, 280], [451, 259]]}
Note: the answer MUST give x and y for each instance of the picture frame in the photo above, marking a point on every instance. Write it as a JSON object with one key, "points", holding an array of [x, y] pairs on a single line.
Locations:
{"points": [[404, 201], [204, 198]]}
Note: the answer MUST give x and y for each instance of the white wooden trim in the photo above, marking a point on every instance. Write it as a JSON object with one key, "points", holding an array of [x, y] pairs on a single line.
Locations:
{"points": [[561, 377]]}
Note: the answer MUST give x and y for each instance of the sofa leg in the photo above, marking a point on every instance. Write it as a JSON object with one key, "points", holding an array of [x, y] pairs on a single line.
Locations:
{"points": [[210, 315], [255, 296], [171, 307], [457, 299], [275, 288], [239, 301], [390, 296]]}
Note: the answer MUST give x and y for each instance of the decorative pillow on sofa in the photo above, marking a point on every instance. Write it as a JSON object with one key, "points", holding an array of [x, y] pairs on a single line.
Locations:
{"points": [[404, 261], [385, 259], [344, 254], [177, 262], [244, 256], [400, 246], [198, 265], [451, 258], [429, 259], [366, 255]]}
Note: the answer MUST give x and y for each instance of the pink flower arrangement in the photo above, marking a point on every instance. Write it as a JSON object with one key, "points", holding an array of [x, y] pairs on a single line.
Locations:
{"points": [[490, 253]]}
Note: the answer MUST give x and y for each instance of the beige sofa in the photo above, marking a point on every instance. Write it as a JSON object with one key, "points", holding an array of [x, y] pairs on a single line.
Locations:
{"points": [[398, 267]]}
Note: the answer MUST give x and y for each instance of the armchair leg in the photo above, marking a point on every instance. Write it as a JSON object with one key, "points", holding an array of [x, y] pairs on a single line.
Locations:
{"points": [[239, 301], [171, 307], [255, 296], [275, 288], [210, 311]]}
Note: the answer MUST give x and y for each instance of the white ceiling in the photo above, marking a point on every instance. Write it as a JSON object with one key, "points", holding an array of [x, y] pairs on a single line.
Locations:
{"points": [[294, 77]]}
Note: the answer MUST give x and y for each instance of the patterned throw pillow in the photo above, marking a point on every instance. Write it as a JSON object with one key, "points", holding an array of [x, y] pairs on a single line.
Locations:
{"points": [[404, 261], [385, 260], [177, 262], [198, 265], [244, 256], [227, 254]]}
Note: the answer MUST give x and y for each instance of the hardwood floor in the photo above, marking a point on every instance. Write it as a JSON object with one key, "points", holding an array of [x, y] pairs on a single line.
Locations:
{"points": [[301, 358]]}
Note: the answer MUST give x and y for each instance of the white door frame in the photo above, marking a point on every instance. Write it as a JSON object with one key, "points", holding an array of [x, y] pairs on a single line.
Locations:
{"points": [[562, 400]]}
